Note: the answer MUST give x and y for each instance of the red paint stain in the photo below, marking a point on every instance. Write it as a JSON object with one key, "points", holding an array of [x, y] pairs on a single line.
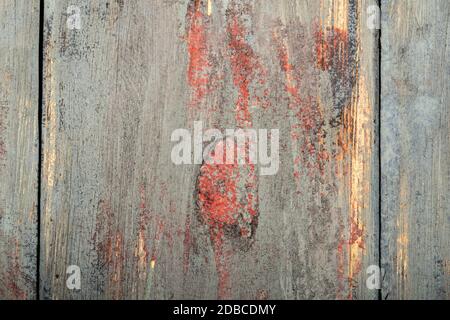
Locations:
{"points": [[116, 256], [103, 236], [199, 66], [344, 254], [353, 239], [227, 193], [332, 53], [218, 193], [308, 131], [335, 54], [222, 258], [340, 269], [169, 237], [108, 242], [345, 140], [13, 274], [228, 204], [187, 244], [156, 240], [245, 67], [331, 49], [355, 242], [356, 234]]}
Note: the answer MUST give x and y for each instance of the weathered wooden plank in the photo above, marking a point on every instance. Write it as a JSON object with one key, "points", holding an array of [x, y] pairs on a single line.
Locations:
{"points": [[139, 226], [19, 82], [415, 148]]}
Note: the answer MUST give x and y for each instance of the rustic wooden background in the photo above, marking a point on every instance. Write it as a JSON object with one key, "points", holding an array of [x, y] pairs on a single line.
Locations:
{"points": [[87, 179]]}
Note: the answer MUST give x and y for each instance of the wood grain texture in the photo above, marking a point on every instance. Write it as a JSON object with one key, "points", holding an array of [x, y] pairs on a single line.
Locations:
{"points": [[415, 148], [142, 227], [19, 56]]}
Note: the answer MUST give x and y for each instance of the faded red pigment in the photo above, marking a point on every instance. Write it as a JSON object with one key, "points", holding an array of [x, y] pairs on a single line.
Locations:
{"points": [[227, 193], [13, 273], [332, 54], [109, 246], [312, 154], [199, 66], [223, 204], [187, 241], [329, 45], [244, 64]]}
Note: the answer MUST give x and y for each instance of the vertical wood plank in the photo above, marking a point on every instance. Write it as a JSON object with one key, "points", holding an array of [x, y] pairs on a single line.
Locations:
{"points": [[415, 149], [139, 226], [19, 82]]}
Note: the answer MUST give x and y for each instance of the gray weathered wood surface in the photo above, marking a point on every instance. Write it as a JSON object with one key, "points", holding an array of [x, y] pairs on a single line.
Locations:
{"points": [[118, 83], [19, 43], [115, 205], [415, 149]]}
